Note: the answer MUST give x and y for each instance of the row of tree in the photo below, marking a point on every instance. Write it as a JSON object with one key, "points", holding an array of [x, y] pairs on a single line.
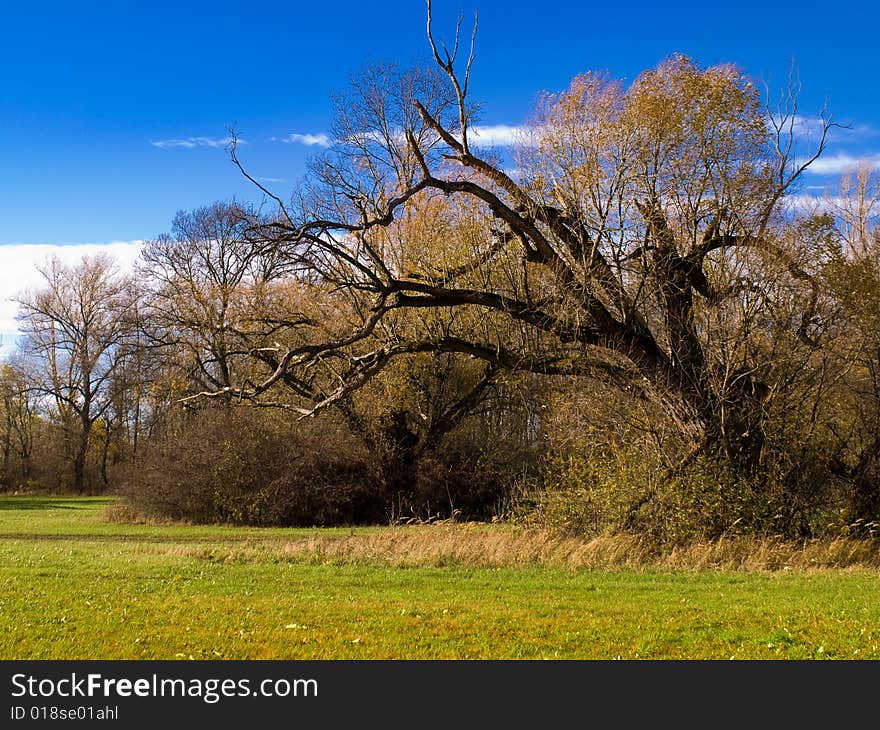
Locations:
{"points": [[635, 318]]}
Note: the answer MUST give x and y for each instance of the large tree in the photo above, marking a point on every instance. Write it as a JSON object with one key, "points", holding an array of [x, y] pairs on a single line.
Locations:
{"points": [[635, 216], [639, 238]]}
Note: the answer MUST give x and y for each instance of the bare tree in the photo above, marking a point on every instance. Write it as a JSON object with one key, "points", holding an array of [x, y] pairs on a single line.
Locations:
{"points": [[75, 327], [205, 287], [852, 281]]}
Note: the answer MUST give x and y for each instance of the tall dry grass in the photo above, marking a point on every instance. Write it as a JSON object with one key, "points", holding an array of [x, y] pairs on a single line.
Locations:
{"points": [[501, 546]]}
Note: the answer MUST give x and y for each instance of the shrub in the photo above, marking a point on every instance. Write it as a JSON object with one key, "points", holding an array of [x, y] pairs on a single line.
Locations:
{"points": [[468, 481], [232, 465], [635, 471]]}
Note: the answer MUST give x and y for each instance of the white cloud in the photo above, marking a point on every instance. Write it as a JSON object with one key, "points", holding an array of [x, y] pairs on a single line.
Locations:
{"points": [[827, 203], [809, 129], [804, 125], [498, 135], [18, 272], [807, 203], [491, 135], [800, 124], [862, 130], [842, 163], [309, 140], [190, 142]]}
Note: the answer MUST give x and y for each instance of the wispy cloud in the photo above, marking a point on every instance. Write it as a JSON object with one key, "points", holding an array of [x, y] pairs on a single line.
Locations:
{"points": [[18, 272], [499, 135], [804, 125], [829, 203], [191, 142], [309, 140], [843, 163], [807, 203], [865, 130], [272, 179], [491, 135], [811, 128]]}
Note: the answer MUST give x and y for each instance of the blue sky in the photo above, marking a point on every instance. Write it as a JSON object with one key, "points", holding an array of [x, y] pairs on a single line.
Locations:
{"points": [[94, 95], [88, 86]]}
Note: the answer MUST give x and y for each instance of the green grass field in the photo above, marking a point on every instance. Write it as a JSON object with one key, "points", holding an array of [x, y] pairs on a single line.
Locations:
{"points": [[73, 585]]}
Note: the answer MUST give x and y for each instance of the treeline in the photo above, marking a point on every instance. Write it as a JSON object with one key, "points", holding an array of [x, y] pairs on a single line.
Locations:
{"points": [[639, 328]]}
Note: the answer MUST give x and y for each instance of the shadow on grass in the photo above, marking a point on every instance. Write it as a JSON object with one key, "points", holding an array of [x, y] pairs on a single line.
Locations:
{"points": [[43, 503], [125, 538]]}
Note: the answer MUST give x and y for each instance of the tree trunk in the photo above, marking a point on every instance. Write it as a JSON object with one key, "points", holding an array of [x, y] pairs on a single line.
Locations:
{"points": [[136, 427], [105, 448], [866, 490], [7, 449], [399, 465], [79, 459]]}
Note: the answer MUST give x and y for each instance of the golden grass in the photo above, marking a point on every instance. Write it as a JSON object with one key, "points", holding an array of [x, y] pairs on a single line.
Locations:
{"points": [[121, 513], [500, 546]]}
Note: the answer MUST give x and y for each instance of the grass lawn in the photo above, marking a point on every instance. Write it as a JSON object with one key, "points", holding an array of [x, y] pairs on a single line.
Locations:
{"points": [[75, 586]]}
